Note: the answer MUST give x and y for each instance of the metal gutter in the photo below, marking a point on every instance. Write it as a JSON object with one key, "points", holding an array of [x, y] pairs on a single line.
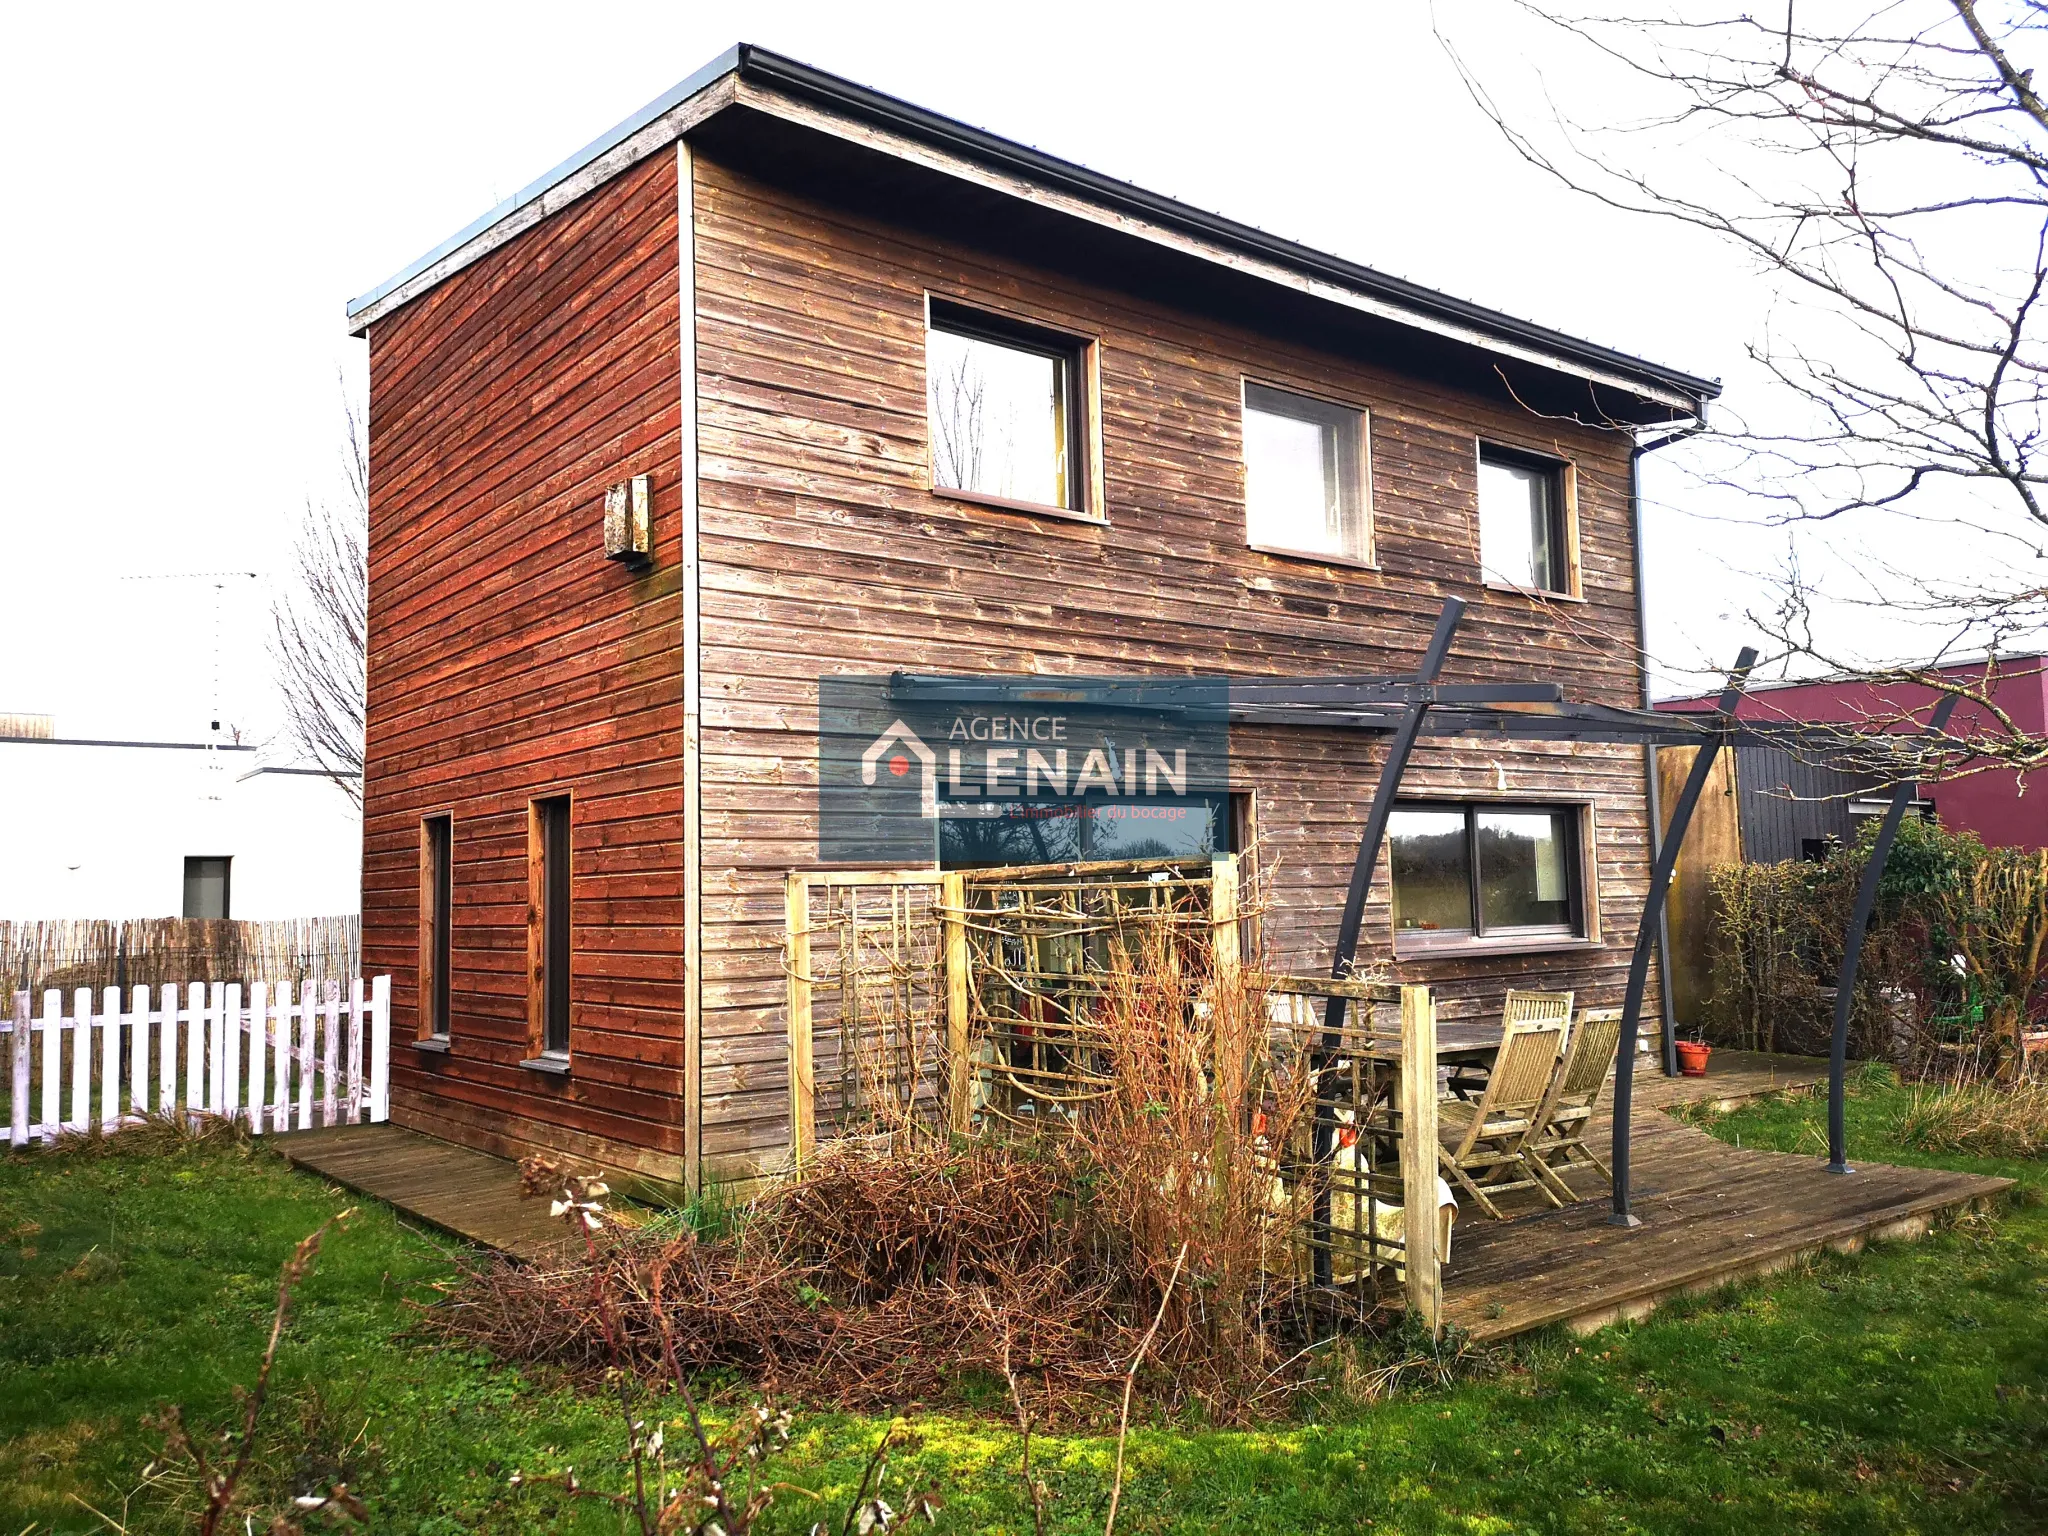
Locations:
{"points": [[859, 102]]}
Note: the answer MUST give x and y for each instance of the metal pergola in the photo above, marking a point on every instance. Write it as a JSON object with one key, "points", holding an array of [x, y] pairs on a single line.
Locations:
{"points": [[1407, 708]]}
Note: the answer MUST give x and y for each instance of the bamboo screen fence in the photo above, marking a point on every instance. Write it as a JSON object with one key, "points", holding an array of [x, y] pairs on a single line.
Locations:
{"points": [[79, 952]]}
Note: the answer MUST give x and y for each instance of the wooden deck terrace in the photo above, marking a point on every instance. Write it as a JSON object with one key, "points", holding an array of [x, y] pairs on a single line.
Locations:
{"points": [[1712, 1213]]}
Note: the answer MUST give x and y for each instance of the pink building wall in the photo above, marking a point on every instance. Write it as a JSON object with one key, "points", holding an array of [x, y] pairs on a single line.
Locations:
{"points": [[1993, 803]]}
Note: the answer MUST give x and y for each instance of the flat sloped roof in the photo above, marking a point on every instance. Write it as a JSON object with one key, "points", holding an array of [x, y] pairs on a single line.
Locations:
{"points": [[748, 76]]}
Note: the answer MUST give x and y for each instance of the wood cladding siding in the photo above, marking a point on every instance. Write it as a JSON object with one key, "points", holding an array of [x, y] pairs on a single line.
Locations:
{"points": [[823, 549], [508, 660]]}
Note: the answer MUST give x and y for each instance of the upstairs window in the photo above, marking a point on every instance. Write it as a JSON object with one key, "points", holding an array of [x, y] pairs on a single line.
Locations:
{"points": [[1468, 872], [1304, 476], [1524, 531], [1006, 404]]}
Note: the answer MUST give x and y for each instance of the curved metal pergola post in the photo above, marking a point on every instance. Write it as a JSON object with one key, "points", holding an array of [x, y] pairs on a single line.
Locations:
{"points": [[1400, 746], [1646, 931], [1852, 950]]}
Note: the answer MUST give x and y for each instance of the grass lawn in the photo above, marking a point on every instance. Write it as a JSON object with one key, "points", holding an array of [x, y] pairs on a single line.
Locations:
{"points": [[1902, 1391]]}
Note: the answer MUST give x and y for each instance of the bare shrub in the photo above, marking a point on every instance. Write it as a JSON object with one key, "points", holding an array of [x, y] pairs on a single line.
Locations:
{"points": [[1187, 1140], [882, 1277], [2000, 916], [220, 1484]]}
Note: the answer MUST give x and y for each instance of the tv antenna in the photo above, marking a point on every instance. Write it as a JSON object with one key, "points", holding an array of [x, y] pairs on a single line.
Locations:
{"points": [[219, 580]]}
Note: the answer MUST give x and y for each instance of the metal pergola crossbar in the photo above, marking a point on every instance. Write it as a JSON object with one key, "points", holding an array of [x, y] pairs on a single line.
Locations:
{"points": [[1408, 708]]}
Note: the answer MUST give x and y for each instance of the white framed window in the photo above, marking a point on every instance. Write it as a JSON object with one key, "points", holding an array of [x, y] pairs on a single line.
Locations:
{"points": [[1526, 522], [1306, 472]]}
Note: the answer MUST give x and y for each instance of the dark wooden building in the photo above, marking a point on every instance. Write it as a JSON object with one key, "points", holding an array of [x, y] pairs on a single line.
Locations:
{"points": [[588, 778]]}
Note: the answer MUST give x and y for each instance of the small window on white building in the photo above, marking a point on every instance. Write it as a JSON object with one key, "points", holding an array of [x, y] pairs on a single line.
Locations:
{"points": [[206, 886]]}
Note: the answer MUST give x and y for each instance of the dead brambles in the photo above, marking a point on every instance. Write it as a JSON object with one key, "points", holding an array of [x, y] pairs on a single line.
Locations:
{"points": [[720, 1485], [912, 1273]]}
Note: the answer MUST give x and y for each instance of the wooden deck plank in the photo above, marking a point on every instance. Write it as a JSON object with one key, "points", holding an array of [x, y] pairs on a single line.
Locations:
{"points": [[1712, 1214], [1733, 1077], [456, 1189]]}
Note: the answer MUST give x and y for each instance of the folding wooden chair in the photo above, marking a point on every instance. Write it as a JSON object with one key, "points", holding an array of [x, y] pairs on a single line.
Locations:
{"points": [[1490, 1139], [1520, 1008], [1566, 1113]]}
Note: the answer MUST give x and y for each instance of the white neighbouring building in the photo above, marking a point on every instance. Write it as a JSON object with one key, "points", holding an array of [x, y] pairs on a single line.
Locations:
{"points": [[117, 829]]}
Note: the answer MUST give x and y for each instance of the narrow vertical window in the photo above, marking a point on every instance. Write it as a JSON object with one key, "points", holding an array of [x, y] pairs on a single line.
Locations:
{"points": [[1523, 529], [549, 924], [437, 923], [206, 887]]}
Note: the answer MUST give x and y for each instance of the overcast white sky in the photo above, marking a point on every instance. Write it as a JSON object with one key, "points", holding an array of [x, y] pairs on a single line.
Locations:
{"points": [[196, 193]]}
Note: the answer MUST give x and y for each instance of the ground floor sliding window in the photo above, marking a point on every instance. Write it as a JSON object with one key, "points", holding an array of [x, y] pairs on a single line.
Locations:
{"points": [[1465, 873], [1049, 831]]}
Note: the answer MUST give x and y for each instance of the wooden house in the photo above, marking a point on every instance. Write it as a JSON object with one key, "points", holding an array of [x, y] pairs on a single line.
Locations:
{"points": [[732, 317]]}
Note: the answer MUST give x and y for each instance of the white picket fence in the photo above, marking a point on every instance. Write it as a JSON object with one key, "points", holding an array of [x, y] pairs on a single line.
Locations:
{"points": [[276, 1064]]}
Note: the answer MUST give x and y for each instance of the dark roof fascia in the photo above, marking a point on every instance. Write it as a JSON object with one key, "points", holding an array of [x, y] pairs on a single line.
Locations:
{"points": [[847, 98], [725, 64], [943, 132]]}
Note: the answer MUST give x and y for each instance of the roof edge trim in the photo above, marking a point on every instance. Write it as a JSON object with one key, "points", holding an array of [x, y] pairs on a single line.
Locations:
{"points": [[359, 316], [1535, 343]]}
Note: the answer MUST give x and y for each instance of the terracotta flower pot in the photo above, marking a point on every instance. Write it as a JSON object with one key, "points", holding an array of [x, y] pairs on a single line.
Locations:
{"points": [[1692, 1058]]}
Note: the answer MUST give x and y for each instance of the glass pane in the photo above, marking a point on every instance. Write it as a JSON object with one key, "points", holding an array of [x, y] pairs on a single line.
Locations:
{"points": [[1010, 832], [206, 888], [1302, 485], [1525, 869], [1517, 523], [1432, 871], [1055, 831], [1155, 829], [998, 419]]}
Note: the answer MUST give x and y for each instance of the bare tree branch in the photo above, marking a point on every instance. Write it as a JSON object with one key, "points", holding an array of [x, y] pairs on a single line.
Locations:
{"points": [[1882, 165], [320, 630]]}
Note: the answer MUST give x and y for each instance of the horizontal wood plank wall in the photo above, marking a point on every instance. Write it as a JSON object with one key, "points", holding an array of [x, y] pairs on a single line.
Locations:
{"points": [[509, 659], [823, 550]]}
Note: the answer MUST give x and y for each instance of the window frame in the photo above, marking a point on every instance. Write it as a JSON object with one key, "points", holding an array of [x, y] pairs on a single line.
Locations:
{"points": [[437, 926], [226, 861], [1582, 879], [1565, 489], [550, 930], [1369, 561], [1078, 357]]}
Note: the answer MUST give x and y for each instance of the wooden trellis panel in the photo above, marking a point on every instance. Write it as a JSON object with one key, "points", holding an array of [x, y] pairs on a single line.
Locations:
{"points": [[1038, 943], [867, 1003]]}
